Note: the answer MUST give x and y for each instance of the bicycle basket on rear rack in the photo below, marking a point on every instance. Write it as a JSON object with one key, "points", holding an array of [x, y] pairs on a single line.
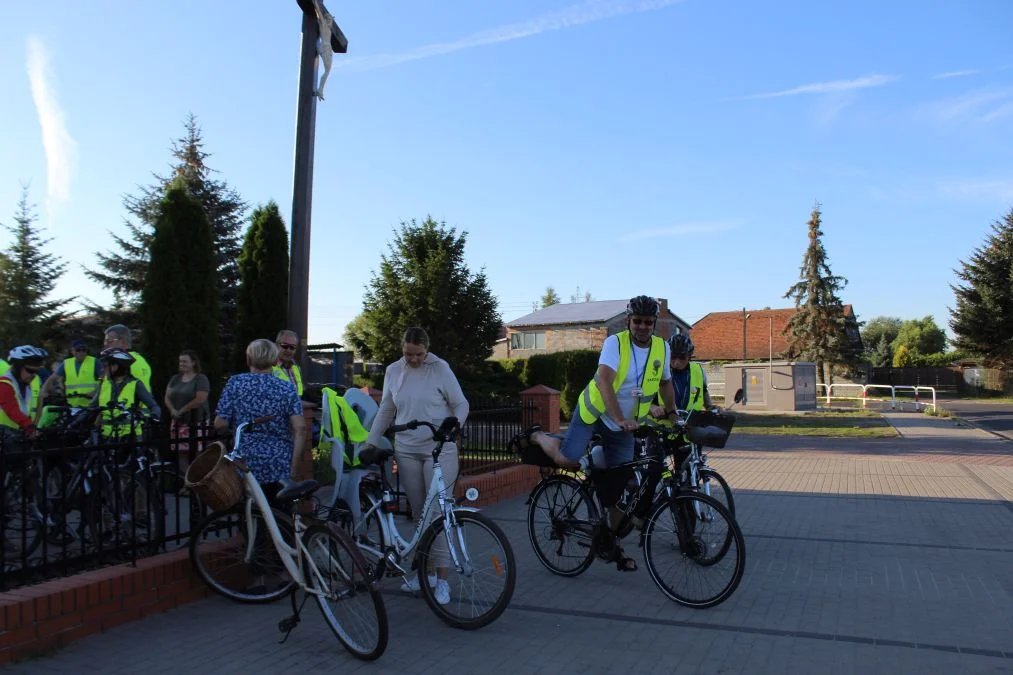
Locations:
{"points": [[714, 422]]}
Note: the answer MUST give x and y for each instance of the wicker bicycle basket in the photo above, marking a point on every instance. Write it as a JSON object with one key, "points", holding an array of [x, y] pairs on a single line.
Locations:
{"points": [[211, 478]]}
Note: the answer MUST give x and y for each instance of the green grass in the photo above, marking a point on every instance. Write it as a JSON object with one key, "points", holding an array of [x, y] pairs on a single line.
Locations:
{"points": [[840, 424]]}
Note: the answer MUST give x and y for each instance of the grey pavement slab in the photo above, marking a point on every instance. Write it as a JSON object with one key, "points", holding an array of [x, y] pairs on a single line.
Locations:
{"points": [[861, 557]]}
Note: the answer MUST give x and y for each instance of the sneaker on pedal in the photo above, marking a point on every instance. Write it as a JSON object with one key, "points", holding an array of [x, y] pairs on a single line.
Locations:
{"points": [[442, 592], [412, 585]]}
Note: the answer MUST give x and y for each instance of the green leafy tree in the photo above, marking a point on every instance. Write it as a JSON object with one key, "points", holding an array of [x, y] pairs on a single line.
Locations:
{"points": [[902, 357], [28, 276], [982, 321], [550, 298], [882, 355], [921, 336], [179, 302], [876, 329], [124, 269], [360, 333], [818, 330], [263, 290], [423, 280]]}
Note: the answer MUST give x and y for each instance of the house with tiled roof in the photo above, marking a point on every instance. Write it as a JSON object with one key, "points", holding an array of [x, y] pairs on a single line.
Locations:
{"points": [[719, 336], [578, 325]]}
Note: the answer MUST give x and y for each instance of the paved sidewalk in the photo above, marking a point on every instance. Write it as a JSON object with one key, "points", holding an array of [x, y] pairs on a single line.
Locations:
{"points": [[862, 556]]}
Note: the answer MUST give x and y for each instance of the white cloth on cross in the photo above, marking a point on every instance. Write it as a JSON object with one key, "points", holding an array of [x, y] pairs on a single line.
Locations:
{"points": [[325, 20]]}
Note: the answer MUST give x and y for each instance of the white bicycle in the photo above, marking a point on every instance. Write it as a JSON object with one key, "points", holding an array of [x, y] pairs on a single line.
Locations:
{"points": [[461, 548], [253, 553]]}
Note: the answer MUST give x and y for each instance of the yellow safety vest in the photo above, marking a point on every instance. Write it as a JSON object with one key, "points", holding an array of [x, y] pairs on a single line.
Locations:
{"points": [[112, 426], [280, 373], [4, 367], [140, 370], [339, 418], [695, 401], [25, 405], [80, 384], [591, 404]]}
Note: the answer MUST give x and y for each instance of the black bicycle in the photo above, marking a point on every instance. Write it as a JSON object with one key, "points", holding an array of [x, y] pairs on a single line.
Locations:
{"points": [[573, 518]]}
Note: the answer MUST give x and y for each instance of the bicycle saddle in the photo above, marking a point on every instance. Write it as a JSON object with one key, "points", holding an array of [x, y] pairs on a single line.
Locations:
{"points": [[297, 489], [375, 455]]}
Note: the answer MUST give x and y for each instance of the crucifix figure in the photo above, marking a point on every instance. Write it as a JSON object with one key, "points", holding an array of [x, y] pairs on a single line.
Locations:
{"points": [[321, 38]]}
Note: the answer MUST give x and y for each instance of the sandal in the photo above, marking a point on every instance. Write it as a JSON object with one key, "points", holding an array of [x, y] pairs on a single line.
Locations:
{"points": [[523, 439]]}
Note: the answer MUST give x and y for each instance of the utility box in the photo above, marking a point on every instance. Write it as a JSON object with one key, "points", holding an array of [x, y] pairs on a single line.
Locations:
{"points": [[778, 385]]}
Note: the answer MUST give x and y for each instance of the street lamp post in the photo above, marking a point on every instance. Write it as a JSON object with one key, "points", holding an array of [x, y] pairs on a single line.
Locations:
{"points": [[302, 189], [744, 317]]}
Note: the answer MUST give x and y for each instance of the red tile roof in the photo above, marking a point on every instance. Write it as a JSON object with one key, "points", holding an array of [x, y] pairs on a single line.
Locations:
{"points": [[718, 335]]}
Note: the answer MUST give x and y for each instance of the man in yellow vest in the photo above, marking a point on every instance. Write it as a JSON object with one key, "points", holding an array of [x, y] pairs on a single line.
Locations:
{"points": [[119, 337], [286, 368], [79, 376], [688, 377]]}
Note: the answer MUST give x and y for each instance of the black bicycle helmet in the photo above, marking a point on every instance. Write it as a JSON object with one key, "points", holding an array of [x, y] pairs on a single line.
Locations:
{"points": [[117, 355], [643, 305], [681, 345], [27, 354]]}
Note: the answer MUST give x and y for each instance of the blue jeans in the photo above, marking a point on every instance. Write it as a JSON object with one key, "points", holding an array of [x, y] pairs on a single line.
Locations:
{"points": [[618, 445]]}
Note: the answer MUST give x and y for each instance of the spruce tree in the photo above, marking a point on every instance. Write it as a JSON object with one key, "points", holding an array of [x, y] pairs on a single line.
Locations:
{"points": [[123, 269], [818, 329], [424, 281], [28, 276], [550, 298], [179, 302], [982, 321], [882, 355], [263, 288]]}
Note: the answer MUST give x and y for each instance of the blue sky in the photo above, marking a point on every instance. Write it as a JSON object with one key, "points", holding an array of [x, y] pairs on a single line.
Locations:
{"points": [[618, 146]]}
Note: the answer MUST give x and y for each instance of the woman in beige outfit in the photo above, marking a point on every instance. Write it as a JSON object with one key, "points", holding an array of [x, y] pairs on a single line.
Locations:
{"points": [[420, 386]]}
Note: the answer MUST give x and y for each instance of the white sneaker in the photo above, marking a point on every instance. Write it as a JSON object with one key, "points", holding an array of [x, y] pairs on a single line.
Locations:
{"points": [[442, 592], [412, 585]]}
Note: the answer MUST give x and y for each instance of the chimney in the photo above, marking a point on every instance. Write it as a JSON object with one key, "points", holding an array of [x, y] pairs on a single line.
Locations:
{"points": [[666, 328]]}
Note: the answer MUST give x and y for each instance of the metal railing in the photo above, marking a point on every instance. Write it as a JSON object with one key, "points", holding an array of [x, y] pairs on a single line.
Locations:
{"points": [[487, 432], [861, 392]]}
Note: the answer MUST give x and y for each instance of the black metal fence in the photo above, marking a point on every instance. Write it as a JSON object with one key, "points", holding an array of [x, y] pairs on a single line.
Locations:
{"points": [[74, 501], [490, 426]]}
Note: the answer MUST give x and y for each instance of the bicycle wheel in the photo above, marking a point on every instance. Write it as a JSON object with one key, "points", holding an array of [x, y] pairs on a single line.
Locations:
{"points": [[349, 598], [143, 509], [714, 485], [560, 525], [476, 589], [22, 527], [697, 563], [235, 567], [364, 529]]}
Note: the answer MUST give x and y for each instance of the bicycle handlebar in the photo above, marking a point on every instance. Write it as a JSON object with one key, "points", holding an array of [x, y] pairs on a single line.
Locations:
{"points": [[445, 433]]}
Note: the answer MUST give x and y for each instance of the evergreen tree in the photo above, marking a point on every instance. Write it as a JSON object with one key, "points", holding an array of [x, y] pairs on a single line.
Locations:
{"points": [[424, 281], [875, 330], [27, 277], [263, 288], [882, 355], [818, 329], [902, 357], [982, 321], [550, 298], [179, 302], [123, 270]]}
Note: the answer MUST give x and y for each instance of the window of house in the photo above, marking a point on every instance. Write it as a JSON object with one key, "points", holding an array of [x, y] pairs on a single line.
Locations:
{"points": [[527, 340]]}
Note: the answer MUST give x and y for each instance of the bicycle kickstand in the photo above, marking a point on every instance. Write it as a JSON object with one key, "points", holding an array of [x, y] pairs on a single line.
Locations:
{"points": [[288, 624]]}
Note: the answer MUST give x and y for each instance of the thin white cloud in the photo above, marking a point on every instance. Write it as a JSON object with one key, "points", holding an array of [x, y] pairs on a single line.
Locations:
{"points": [[829, 87], [574, 15], [60, 147], [989, 190], [977, 106], [698, 227], [954, 73]]}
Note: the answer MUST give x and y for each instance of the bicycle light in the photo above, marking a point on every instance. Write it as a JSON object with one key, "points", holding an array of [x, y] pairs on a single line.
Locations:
{"points": [[471, 494]]}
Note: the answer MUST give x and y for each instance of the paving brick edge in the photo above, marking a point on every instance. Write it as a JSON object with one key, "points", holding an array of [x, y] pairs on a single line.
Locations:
{"points": [[37, 620]]}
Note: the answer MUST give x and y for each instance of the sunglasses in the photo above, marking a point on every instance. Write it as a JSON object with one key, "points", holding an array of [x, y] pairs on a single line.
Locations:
{"points": [[642, 322], [284, 346]]}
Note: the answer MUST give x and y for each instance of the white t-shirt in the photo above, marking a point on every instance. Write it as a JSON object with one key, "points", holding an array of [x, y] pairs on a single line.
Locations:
{"points": [[634, 375]]}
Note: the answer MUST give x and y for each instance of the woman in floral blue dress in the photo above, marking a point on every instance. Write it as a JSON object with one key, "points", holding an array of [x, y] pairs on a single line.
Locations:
{"points": [[269, 448]]}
